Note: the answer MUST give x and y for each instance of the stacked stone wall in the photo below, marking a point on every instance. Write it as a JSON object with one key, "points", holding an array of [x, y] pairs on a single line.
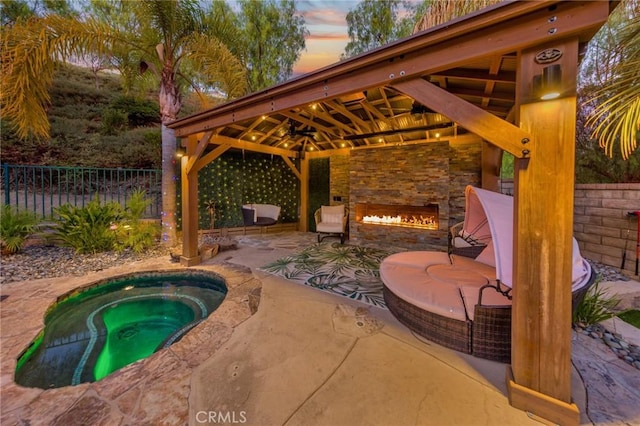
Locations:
{"points": [[601, 223], [339, 179], [409, 175]]}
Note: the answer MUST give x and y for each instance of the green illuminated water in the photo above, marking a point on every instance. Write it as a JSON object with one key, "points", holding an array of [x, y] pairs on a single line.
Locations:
{"points": [[97, 330]]}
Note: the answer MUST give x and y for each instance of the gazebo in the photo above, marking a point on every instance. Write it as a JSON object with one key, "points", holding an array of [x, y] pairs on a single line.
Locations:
{"points": [[502, 79]]}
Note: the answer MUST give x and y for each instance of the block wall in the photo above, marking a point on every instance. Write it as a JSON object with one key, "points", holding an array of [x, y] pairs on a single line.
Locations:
{"points": [[601, 223]]}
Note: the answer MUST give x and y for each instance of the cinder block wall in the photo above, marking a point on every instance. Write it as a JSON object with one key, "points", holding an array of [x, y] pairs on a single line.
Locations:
{"points": [[601, 225]]}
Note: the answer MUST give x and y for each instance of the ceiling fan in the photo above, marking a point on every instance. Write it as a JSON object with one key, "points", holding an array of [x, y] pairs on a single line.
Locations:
{"points": [[293, 131]]}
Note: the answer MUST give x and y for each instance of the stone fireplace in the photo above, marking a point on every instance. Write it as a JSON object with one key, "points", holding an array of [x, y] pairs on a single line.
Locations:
{"points": [[403, 192]]}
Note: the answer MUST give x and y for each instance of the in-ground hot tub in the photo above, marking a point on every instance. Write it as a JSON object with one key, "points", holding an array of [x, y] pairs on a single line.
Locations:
{"points": [[96, 330]]}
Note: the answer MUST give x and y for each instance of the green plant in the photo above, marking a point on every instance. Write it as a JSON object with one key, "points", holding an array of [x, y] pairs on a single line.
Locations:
{"points": [[138, 236], [114, 121], [89, 229], [15, 227], [133, 232], [597, 306]]}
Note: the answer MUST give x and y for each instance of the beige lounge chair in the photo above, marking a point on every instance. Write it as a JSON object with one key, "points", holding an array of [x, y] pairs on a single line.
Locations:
{"points": [[332, 221]]}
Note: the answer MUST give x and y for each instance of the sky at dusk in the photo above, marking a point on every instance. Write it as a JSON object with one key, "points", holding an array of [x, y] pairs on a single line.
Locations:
{"points": [[327, 25]]}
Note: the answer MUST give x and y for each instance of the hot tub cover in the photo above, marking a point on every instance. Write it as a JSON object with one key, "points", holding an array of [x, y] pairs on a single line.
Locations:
{"points": [[491, 213]]}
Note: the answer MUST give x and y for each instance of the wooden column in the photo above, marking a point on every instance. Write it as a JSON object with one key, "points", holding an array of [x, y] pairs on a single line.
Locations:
{"points": [[303, 221], [540, 377], [189, 178], [491, 163]]}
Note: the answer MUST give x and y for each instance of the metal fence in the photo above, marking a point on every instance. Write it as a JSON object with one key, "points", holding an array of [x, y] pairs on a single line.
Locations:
{"points": [[41, 189]]}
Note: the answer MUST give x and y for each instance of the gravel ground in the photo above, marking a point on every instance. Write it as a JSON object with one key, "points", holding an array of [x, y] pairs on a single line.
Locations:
{"points": [[36, 262]]}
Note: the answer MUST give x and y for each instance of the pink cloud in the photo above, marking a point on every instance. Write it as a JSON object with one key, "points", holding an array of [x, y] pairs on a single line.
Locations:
{"points": [[328, 36]]}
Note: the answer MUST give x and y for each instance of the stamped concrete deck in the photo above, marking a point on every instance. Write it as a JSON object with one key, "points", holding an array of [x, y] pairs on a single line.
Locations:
{"points": [[306, 357]]}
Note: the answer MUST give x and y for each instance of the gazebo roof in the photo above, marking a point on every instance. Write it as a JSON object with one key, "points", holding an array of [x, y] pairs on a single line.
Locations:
{"points": [[357, 102]]}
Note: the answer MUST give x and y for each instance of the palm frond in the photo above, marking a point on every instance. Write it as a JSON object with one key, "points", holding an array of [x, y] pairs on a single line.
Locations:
{"points": [[30, 50], [616, 117], [443, 11], [217, 65]]}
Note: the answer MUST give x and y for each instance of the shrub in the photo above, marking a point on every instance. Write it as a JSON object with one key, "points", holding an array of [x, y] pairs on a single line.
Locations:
{"points": [[15, 227], [133, 232], [597, 306], [113, 121], [140, 112], [88, 229]]}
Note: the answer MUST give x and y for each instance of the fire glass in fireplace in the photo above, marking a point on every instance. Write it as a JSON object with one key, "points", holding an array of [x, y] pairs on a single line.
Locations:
{"points": [[424, 217]]}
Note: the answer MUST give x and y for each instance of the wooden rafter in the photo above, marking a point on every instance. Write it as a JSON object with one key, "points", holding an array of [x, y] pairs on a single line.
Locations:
{"points": [[486, 125]]}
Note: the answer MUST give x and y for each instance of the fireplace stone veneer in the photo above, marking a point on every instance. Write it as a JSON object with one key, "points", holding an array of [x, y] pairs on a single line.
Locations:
{"points": [[416, 176]]}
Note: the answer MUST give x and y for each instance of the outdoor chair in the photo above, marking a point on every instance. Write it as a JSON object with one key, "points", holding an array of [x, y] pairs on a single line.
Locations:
{"points": [[260, 214], [332, 221], [461, 299]]}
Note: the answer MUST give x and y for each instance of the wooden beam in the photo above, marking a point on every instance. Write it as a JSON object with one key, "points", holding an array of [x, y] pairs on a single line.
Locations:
{"points": [[542, 265], [475, 119], [208, 158], [292, 166], [491, 162], [308, 121], [499, 30], [303, 220], [189, 183], [478, 75], [202, 145], [329, 119], [337, 106], [252, 146]]}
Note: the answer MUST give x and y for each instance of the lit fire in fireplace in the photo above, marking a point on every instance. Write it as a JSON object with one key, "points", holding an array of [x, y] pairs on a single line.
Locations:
{"points": [[427, 222]]}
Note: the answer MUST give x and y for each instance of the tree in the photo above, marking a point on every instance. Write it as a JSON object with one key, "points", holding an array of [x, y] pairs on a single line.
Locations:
{"points": [[274, 37], [614, 107], [12, 10], [170, 37], [374, 23], [441, 11]]}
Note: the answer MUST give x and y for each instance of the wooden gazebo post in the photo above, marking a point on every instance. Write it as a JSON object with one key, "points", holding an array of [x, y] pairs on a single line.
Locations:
{"points": [[539, 380], [189, 182]]}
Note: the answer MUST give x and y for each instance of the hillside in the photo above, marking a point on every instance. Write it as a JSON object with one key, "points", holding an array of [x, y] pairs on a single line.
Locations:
{"points": [[93, 124]]}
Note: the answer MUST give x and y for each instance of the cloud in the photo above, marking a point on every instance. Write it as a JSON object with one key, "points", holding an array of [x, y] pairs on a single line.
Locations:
{"points": [[324, 17], [328, 36]]}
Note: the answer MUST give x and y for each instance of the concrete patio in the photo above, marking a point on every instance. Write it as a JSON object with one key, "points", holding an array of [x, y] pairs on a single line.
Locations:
{"points": [[305, 357]]}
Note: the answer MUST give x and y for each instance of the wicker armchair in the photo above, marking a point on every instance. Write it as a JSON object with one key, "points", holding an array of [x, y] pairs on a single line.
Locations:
{"points": [[332, 221]]}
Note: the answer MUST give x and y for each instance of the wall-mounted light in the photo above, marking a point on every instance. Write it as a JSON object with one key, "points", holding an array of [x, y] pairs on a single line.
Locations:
{"points": [[548, 85], [181, 152]]}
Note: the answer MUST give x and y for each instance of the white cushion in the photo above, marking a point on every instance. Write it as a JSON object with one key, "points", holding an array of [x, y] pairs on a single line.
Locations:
{"points": [[329, 227], [466, 263], [332, 214], [417, 259], [418, 288]]}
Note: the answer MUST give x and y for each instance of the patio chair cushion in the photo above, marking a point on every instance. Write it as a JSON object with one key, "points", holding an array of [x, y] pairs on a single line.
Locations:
{"points": [[332, 214], [466, 263], [490, 297], [331, 227], [415, 286], [417, 259]]}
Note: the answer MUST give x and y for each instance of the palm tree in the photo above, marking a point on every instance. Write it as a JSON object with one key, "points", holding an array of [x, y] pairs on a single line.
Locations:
{"points": [[170, 39], [616, 116], [439, 12]]}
